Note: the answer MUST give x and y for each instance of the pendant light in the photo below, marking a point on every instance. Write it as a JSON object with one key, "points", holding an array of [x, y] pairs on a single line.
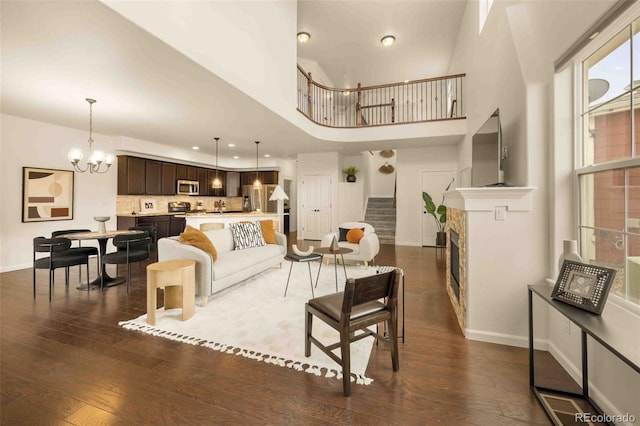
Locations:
{"points": [[96, 158], [216, 184], [256, 183]]}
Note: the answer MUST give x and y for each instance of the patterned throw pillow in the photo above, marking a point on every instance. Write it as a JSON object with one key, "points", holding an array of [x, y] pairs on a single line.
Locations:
{"points": [[246, 235]]}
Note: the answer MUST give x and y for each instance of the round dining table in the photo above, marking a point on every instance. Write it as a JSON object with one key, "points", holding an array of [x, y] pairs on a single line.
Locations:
{"points": [[102, 238]]}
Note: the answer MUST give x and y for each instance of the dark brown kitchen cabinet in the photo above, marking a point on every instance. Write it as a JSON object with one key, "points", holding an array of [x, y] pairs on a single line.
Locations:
{"points": [[177, 225], [166, 225], [203, 179], [216, 192], [169, 178], [266, 177], [269, 177], [141, 176], [131, 175], [153, 177], [184, 172]]}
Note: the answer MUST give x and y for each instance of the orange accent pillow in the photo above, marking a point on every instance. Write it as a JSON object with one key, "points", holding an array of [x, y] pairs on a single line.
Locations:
{"points": [[355, 235], [268, 234], [197, 238]]}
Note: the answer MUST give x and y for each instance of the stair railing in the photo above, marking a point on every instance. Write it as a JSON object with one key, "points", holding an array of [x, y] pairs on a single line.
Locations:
{"points": [[431, 99]]}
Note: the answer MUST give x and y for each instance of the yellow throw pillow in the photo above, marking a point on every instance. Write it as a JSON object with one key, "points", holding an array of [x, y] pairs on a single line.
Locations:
{"points": [[198, 239], [355, 235], [269, 235]]}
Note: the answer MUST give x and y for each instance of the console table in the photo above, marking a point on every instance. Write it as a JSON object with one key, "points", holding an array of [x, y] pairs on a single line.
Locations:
{"points": [[614, 339]]}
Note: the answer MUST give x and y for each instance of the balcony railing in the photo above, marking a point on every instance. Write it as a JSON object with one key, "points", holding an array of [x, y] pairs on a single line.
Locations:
{"points": [[431, 99]]}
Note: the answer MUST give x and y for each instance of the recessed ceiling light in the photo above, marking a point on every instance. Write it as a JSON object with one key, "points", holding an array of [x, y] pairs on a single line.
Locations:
{"points": [[267, 155], [195, 147], [303, 37], [406, 81], [231, 145], [387, 40], [235, 157]]}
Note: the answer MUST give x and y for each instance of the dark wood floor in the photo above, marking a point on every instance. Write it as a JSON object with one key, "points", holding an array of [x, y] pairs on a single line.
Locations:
{"points": [[68, 362]]}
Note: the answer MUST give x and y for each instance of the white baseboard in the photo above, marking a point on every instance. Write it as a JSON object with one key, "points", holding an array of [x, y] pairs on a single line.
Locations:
{"points": [[565, 362], [408, 243], [499, 338], [15, 267]]}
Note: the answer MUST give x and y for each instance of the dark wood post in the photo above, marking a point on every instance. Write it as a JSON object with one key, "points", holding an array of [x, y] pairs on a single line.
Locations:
{"points": [[309, 96], [358, 109], [393, 110]]}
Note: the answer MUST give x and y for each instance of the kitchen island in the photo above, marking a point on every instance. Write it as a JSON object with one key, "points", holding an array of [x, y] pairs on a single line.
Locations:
{"points": [[196, 219]]}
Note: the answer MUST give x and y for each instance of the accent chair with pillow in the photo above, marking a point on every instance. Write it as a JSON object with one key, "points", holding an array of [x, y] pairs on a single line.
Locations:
{"points": [[359, 237], [225, 257]]}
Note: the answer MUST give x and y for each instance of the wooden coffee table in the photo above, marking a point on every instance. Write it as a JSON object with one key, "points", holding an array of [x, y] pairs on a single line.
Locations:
{"points": [[322, 251]]}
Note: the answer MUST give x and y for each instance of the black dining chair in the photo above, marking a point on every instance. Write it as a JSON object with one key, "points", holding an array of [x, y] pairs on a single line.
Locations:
{"points": [[356, 309], [59, 257], [89, 251], [153, 237], [131, 248]]}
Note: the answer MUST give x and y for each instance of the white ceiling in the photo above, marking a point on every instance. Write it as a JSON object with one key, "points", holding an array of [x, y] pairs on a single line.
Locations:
{"points": [[56, 54], [345, 39]]}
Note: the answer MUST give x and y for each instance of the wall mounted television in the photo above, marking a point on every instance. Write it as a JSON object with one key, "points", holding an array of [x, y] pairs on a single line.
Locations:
{"points": [[487, 153]]}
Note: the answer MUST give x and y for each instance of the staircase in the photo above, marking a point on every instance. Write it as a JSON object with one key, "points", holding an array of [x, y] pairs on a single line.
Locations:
{"points": [[381, 214]]}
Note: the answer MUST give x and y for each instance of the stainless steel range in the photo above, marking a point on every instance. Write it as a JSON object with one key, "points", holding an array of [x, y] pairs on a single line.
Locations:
{"points": [[179, 206]]}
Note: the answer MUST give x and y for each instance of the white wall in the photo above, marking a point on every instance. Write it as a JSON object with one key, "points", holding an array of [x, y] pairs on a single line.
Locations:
{"points": [[510, 66], [317, 73], [381, 185], [411, 162], [250, 44], [27, 143]]}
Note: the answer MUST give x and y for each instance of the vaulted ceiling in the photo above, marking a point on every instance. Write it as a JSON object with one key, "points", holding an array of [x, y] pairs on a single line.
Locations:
{"points": [[345, 39], [56, 54]]}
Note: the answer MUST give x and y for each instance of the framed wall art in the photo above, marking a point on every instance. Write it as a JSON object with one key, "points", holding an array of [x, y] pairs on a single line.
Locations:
{"points": [[584, 286], [148, 205], [47, 194]]}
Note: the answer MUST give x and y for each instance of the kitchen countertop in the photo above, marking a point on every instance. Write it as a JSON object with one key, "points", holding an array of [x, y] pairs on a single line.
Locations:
{"points": [[150, 214], [229, 214], [189, 214]]}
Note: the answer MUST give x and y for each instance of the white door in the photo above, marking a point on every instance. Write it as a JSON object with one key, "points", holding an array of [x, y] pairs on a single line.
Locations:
{"points": [[434, 183], [316, 206]]}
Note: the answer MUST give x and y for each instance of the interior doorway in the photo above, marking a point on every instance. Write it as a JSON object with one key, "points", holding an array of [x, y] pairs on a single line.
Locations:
{"points": [[434, 183]]}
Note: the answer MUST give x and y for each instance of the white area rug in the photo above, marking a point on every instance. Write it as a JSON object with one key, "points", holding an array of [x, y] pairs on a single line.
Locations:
{"points": [[253, 319]]}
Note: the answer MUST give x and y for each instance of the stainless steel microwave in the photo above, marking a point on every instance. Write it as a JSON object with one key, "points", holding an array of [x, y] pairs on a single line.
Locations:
{"points": [[188, 187]]}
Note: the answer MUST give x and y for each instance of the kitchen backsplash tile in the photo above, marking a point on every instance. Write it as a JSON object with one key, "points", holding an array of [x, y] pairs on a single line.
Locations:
{"points": [[127, 204]]}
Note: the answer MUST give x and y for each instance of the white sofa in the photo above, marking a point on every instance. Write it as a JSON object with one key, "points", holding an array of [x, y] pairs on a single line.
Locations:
{"points": [[231, 267], [365, 251]]}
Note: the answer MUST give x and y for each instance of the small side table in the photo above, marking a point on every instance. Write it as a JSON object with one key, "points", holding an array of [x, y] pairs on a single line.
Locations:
{"points": [[178, 278], [292, 257], [322, 251]]}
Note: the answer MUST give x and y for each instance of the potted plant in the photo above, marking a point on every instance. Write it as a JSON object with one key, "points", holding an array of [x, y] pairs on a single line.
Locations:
{"points": [[351, 173], [439, 213]]}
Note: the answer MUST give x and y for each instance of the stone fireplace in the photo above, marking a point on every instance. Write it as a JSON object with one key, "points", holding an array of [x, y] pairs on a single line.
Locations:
{"points": [[456, 263]]}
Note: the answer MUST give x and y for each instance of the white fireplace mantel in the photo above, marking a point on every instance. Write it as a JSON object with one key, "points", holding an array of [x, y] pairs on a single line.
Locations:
{"points": [[514, 198]]}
